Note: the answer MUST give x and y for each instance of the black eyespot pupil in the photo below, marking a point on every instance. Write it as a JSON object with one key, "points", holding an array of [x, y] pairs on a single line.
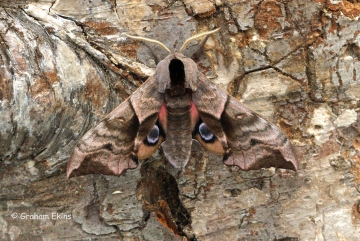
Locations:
{"points": [[205, 133], [153, 135]]}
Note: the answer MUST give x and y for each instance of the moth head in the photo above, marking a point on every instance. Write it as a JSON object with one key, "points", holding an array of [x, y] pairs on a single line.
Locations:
{"points": [[176, 72]]}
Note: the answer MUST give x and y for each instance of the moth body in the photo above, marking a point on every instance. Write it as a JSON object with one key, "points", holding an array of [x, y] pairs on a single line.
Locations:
{"points": [[174, 106], [177, 145]]}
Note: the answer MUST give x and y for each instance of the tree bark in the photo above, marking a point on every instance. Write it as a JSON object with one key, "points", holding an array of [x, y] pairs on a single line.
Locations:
{"points": [[65, 64]]}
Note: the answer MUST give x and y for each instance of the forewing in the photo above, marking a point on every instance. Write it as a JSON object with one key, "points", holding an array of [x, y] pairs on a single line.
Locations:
{"points": [[210, 103], [111, 146], [255, 143], [249, 141], [108, 147]]}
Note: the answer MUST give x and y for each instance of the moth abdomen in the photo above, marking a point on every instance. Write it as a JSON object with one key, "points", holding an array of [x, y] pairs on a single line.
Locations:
{"points": [[177, 146]]}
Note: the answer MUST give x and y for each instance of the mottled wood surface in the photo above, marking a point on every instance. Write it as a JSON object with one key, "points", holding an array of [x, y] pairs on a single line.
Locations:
{"points": [[65, 64]]}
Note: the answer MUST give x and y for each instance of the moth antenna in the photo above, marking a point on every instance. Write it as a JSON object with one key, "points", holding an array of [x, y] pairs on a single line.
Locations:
{"points": [[148, 40], [197, 36]]}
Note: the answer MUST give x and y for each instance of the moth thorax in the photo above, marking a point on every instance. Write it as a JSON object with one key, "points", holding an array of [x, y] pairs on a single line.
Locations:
{"points": [[177, 75]]}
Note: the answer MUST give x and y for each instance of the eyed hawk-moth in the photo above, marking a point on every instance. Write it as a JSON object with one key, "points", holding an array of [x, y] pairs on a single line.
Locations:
{"points": [[174, 106]]}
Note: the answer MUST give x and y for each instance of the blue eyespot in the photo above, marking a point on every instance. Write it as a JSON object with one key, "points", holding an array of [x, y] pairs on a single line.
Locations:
{"points": [[153, 136], [205, 133]]}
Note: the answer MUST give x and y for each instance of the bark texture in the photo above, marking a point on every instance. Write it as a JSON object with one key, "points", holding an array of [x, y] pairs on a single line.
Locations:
{"points": [[65, 64]]}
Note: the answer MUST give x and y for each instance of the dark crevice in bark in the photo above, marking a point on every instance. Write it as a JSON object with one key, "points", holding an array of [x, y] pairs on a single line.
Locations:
{"points": [[159, 194]]}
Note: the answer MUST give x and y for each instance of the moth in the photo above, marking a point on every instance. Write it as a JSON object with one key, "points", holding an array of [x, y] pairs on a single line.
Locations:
{"points": [[174, 106]]}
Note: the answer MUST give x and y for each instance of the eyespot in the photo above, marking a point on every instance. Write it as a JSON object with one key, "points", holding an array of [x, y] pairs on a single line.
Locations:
{"points": [[153, 136], [205, 133], [207, 138]]}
